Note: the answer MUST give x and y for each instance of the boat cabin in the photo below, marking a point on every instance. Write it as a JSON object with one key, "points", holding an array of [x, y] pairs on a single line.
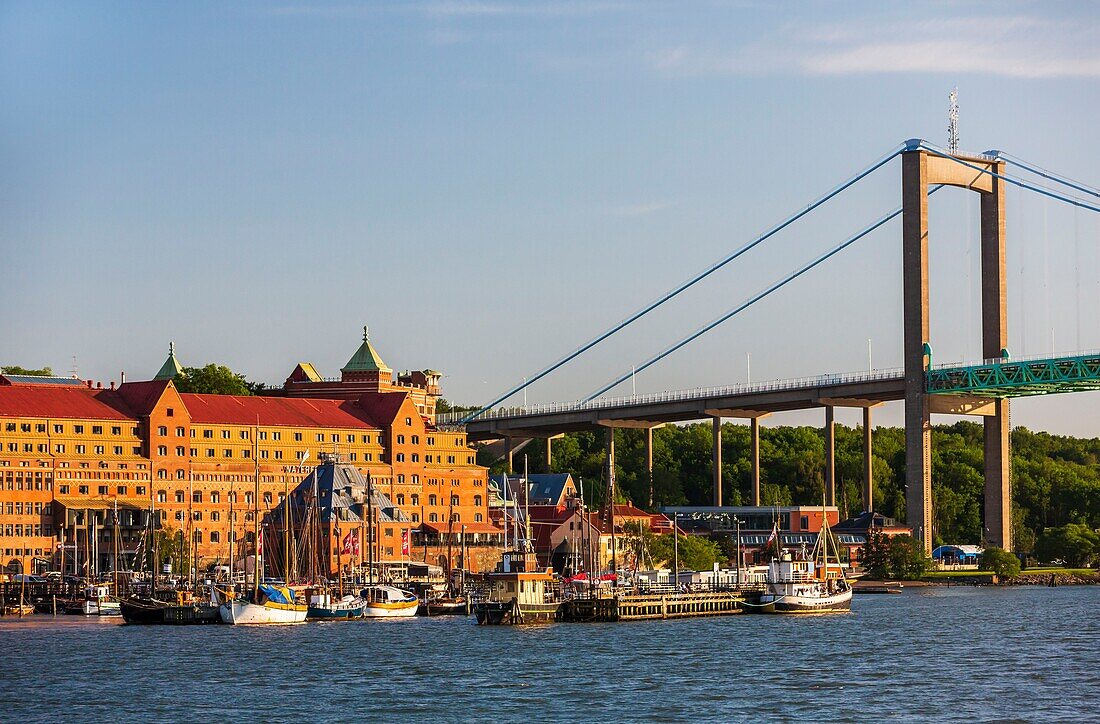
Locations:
{"points": [[518, 576]]}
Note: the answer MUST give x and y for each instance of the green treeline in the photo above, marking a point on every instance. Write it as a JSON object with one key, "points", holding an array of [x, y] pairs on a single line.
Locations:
{"points": [[1056, 480]]}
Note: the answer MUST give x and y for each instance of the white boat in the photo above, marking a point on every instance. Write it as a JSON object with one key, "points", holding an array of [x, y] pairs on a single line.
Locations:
{"points": [[384, 601], [268, 605], [98, 601], [801, 586]]}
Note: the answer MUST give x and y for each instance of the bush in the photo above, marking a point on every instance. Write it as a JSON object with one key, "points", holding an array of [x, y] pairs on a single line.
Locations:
{"points": [[900, 556], [1000, 562]]}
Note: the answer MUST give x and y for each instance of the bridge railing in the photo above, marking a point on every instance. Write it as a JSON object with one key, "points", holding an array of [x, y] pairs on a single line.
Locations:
{"points": [[697, 393]]}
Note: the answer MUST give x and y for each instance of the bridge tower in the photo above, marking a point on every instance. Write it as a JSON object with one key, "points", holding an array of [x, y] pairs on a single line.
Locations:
{"points": [[921, 169]]}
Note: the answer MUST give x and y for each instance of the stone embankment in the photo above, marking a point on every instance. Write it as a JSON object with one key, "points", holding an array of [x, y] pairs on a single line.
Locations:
{"points": [[1057, 579]]}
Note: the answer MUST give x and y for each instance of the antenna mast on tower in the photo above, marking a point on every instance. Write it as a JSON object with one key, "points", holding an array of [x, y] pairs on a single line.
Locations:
{"points": [[953, 122]]}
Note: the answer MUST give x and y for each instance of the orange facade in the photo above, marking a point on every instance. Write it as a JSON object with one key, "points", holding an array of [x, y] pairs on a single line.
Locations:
{"points": [[71, 454]]}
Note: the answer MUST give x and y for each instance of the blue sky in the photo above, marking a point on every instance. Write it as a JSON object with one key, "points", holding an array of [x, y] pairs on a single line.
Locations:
{"points": [[489, 184]]}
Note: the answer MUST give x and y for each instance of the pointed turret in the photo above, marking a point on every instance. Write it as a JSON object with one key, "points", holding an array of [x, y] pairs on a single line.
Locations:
{"points": [[366, 364], [171, 366]]}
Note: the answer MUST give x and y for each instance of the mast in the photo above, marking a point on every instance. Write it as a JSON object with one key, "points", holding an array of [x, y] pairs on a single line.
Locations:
{"points": [[505, 519], [370, 530], [154, 548], [114, 547], [230, 538], [529, 548], [286, 530], [256, 521]]}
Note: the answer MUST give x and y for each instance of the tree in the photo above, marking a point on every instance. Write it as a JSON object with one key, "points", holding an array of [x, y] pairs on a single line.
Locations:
{"points": [[1074, 544], [876, 555], [17, 370], [1000, 562], [213, 380], [908, 560]]}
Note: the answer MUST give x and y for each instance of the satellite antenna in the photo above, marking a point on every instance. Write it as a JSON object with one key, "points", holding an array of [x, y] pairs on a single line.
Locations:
{"points": [[953, 122]]}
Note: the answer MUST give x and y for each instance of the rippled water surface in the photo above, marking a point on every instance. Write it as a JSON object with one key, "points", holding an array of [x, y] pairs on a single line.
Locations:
{"points": [[932, 654]]}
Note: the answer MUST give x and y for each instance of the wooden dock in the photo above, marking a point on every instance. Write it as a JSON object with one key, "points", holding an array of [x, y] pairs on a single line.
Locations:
{"points": [[652, 606]]}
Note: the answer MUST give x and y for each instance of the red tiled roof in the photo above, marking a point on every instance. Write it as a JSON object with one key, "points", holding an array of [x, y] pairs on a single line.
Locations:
{"points": [[284, 411], [79, 402], [382, 407], [629, 511], [140, 397]]}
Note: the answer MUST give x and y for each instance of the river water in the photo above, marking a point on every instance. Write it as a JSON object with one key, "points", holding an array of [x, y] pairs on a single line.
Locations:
{"points": [[932, 654]]}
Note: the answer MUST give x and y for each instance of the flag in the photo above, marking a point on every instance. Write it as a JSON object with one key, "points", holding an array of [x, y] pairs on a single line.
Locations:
{"points": [[351, 543], [773, 536], [260, 545], [405, 542]]}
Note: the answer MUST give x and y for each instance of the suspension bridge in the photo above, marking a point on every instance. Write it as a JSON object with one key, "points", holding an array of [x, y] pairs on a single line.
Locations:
{"points": [[981, 388]]}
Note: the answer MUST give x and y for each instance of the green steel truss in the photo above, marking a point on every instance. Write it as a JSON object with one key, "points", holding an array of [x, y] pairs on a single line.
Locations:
{"points": [[1018, 378]]}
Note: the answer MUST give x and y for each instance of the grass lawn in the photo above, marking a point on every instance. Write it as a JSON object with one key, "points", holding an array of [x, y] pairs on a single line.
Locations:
{"points": [[1041, 571]]}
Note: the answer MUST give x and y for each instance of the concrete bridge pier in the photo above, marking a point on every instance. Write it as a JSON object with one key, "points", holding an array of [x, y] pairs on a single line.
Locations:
{"points": [[754, 453], [868, 466]]}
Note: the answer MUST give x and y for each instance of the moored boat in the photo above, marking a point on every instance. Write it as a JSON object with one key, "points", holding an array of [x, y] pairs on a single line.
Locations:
{"points": [[806, 583], [267, 604], [185, 611], [383, 601], [323, 607], [519, 593], [97, 601]]}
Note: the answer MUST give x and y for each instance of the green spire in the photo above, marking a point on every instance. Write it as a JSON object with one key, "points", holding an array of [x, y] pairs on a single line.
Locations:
{"points": [[365, 359], [171, 366]]}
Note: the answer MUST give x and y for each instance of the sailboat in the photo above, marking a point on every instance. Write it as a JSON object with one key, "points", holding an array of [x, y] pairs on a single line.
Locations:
{"points": [[265, 603], [382, 600], [803, 584]]}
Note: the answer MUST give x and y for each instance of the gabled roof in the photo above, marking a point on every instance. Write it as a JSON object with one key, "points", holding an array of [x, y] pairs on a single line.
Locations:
{"points": [[277, 411], [365, 359], [341, 495], [171, 366], [629, 511], [142, 397], [382, 408], [544, 488], [62, 402], [309, 371]]}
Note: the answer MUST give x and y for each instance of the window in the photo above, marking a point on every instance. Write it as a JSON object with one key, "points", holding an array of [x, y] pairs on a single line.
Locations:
{"points": [[400, 457], [215, 536], [208, 433], [263, 434], [180, 452], [432, 500], [433, 518], [180, 432], [58, 429], [59, 449], [400, 439], [477, 500], [416, 457], [118, 449], [246, 453], [351, 438], [227, 453], [416, 517], [215, 516], [267, 498], [297, 437], [276, 436], [478, 518], [226, 434], [278, 454], [400, 477], [320, 437], [162, 430], [215, 496], [121, 490], [162, 496], [366, 438], [244, 434], [408, 421], [415, 439], [335, 438], [454, 500], [179, 496], [209, 452], [196, 496], [103, 490], [805, 522], [170, 412], [415, 499], [162, 449]]}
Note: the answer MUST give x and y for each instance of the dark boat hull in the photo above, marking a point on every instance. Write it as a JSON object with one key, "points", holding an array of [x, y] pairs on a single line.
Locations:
{"points": [[444, 608], [511, 613], [158, 613]]}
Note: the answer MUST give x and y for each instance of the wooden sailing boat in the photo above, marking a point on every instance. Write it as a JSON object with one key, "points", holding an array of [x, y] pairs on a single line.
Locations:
{"points": [[381, 600], [265, 603], [324, 603]]}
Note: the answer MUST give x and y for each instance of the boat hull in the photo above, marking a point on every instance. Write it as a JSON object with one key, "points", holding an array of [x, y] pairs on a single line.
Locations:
{"points": [[402, 609], [246, 613], [101, 608], [325, 613], [835, 603], [511, 613], [148, 612]]}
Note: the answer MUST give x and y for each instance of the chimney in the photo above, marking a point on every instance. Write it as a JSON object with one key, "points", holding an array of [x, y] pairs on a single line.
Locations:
{"points": [[99, 385], [112, 384], [122, 377], [89, 383]]}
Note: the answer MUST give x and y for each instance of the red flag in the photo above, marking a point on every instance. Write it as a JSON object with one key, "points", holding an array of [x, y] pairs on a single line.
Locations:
{"points": [[405, 542], [351, 543]]}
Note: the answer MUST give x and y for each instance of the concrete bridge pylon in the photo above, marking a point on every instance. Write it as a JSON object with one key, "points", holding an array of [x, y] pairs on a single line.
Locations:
{"points": [[920, 171]]}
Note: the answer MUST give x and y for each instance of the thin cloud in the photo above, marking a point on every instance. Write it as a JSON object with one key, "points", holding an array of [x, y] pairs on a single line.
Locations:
{"points": [[451, 9], [1014, 46]]}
